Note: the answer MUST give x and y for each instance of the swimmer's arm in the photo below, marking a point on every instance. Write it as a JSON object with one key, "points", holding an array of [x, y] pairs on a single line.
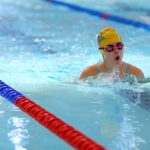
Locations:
{"points": [[136, 71], [89, 71]]}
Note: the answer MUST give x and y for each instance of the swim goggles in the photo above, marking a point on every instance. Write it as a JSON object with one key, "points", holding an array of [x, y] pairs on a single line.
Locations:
{"points": [[112, 47]]}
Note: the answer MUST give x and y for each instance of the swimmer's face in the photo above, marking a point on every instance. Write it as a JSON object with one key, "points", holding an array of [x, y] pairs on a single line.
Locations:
{"points": [[113, 52]]}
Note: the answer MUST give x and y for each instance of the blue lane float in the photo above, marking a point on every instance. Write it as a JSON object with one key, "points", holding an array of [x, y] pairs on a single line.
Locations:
{"points": [[102, 15], [8, 93]]}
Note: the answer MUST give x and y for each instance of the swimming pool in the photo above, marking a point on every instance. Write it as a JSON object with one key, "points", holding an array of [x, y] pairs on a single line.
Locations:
{"points": [[44, 48]]}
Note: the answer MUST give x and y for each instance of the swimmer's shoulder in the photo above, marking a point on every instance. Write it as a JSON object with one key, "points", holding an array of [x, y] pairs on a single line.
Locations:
{"points": [[92, 70], [135, 71]]}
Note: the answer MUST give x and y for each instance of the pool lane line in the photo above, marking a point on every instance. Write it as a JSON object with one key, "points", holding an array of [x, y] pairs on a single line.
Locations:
{"points": [[102, 15], [66, 132]]}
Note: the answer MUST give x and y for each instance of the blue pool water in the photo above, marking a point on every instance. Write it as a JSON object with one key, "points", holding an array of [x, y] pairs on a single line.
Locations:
{"points": [[45, 47]]}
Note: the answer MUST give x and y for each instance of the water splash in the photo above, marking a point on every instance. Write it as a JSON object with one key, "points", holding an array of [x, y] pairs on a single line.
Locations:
{"points": [[19, 134]]}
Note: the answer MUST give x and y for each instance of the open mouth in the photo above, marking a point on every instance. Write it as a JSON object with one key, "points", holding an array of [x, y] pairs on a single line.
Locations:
{"points": [[117, 58]]}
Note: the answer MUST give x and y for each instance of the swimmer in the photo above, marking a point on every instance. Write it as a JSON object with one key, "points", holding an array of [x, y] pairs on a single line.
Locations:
{"points": [[111, 48]]}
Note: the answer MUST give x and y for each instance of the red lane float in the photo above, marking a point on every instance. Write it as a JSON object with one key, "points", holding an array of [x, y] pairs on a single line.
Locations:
{"points": [[69, 134]]}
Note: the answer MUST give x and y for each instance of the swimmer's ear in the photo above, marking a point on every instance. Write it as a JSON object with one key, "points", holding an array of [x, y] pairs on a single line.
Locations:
{"points": [[102, 51]]}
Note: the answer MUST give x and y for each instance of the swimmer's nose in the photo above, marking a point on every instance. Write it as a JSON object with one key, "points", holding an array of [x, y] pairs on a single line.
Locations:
{"points": [[115, 49]]}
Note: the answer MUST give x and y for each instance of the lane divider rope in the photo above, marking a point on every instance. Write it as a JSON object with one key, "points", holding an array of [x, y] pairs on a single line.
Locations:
{"points": [[66, 132], [102, 15]]}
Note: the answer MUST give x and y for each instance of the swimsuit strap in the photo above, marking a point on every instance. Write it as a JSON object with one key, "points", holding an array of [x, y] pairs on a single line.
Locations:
{"points": [[97, 68], [127, 69]]}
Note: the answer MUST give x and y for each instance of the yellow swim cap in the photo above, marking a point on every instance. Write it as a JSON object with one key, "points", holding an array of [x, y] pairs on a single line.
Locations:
{"points": [[107, 36]]}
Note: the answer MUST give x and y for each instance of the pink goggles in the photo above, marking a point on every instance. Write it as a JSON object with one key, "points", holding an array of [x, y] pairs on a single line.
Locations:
{"points": [[112, 47]]}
